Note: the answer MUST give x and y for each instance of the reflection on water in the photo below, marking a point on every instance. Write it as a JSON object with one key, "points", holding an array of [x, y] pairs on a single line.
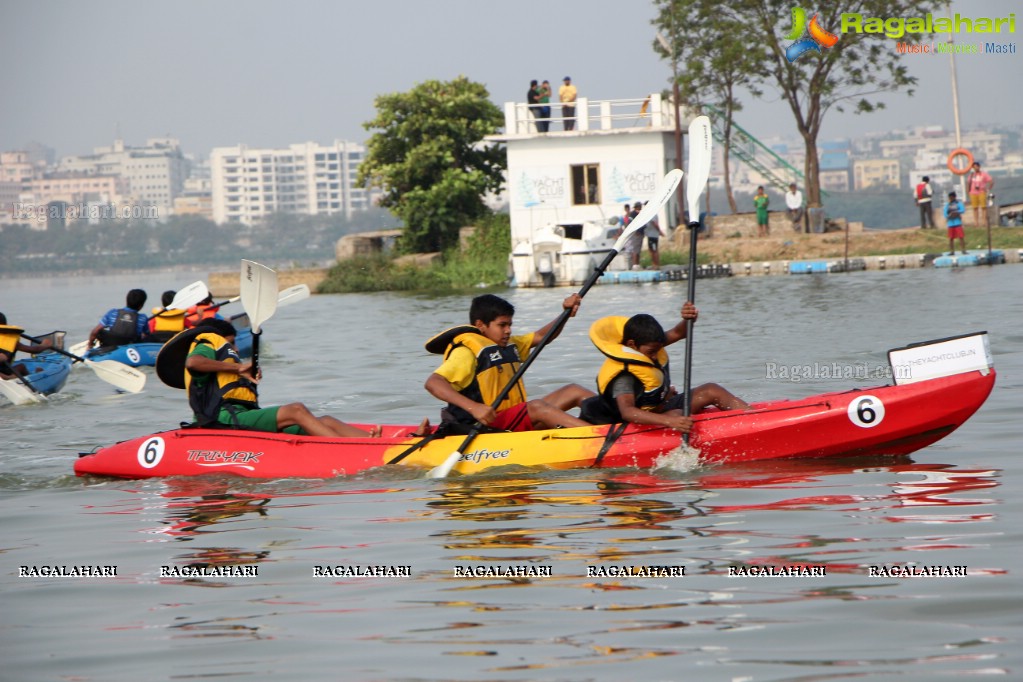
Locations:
{"points": [[712, 519], [707, 520]]}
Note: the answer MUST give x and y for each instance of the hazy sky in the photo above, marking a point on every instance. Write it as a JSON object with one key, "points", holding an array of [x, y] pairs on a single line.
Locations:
{"points": [[268, 73]]}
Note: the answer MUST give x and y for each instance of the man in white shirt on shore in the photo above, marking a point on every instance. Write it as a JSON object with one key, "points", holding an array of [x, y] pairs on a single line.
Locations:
{"points": [[794, 203]]}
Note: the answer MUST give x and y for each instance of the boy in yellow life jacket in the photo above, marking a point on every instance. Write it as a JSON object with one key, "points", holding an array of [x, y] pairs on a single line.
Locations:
{"points": [[165, 323], [480, 359], [10, 343], [222, 391], [634, 383]]}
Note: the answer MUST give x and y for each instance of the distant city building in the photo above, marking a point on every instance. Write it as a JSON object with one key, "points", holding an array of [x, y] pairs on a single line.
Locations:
{"points": [[9, 195], [984, 146], [875, 173], [249, 184], [40, 154], [196, 198], [155, 173], [84, 196], [834, 180], [19, 167]]}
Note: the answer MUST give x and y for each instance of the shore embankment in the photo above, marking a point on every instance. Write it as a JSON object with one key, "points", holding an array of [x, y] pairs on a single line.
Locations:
{"points": [[771, 255]]}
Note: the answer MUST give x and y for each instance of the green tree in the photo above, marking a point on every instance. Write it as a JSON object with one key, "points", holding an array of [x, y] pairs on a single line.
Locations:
{"points": [[855, 72], [429, 159], [713, 71]]}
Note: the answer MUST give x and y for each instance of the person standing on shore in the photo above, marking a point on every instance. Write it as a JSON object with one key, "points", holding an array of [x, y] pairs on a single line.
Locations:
{"points": [[794, 204], [979, 184], [653, 234], [954, 211], [760, 202], [924, 194], [567, 94]]}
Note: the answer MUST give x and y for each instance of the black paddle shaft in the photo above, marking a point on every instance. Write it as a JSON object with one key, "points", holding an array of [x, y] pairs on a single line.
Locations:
{"points": [[76, 358], [255, 352], [687, 379], [555, 330]]}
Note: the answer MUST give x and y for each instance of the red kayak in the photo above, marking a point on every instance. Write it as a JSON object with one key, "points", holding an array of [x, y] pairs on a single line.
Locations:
{"points": [[882, 420]]}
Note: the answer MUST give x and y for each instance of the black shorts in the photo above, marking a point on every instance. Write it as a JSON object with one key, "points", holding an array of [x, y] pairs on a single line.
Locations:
{"points": [[652, 243]]}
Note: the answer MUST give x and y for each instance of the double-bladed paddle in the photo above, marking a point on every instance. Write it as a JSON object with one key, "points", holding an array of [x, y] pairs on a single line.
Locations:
{"points": [[663, 192], [299, 292], [258, 290], [114, 373], [187, 297], [699, 173], [19, 391]]}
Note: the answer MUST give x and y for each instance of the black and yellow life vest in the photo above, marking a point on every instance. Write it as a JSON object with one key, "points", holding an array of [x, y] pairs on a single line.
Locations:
{"points": [[495, 366], [225, 389], [124, 330], [652, 376], [10, 336]]}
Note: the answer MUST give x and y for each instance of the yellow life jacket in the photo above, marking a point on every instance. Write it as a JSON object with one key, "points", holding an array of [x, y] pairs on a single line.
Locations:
{"points": [[495, 366], [167, 321], [606, 334], [10, 336], [222, 389]]}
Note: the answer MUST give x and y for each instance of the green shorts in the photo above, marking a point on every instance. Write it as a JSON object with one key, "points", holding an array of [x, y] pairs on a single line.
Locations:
{"points": [[262, 419]]}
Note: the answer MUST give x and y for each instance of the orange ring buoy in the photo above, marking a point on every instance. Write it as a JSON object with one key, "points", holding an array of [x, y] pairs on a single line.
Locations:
{"points": [[952, 157]]}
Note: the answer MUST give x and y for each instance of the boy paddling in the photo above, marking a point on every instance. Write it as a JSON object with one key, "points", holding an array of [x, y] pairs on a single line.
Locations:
{"points": [[634, 381], [479, 360], [222, 389]]}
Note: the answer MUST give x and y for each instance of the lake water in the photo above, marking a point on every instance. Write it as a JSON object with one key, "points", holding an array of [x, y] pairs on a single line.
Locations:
{"points": [[956, 503]]}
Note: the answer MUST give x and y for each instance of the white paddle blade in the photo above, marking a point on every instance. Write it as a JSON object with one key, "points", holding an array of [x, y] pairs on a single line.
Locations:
{"points": [[80, 348], [19, 393], [118, 374], [699, 163], [664, 192], [299, 292], [189, 296], [259, 293], [445, 467]]}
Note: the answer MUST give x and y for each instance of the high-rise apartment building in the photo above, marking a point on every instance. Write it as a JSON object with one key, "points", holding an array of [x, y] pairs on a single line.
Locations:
{"points": [[250, 184], [155, 173]]}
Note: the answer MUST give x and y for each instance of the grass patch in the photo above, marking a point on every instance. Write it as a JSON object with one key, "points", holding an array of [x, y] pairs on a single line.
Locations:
{"points": [[482, 264]]}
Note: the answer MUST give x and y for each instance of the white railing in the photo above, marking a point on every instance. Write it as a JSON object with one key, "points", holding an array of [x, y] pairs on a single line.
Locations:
{"points": [[610, 114]]}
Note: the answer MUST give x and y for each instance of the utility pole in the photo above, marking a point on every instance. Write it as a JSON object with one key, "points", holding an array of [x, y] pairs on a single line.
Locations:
{"points": [[955, 108]]}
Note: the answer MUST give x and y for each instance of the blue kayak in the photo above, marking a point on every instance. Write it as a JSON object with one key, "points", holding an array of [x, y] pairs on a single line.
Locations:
{"points": [[144, 354], [47, 372]]}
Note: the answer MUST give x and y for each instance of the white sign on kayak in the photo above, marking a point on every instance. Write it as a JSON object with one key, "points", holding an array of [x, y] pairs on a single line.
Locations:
{"points": [[150, 452], [941, 358]]}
